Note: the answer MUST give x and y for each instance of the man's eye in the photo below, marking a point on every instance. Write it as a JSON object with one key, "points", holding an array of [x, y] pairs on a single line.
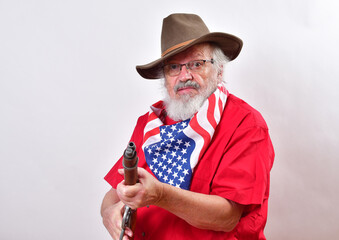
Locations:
{"points": [[173, 66], [196, 64]]}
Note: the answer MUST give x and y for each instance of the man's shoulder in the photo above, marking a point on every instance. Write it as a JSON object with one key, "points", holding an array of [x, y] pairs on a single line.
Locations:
{"points": [[240, 110]]}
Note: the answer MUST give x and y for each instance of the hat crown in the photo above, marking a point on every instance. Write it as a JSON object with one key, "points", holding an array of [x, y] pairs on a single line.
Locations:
{"points": [[180, 28]]}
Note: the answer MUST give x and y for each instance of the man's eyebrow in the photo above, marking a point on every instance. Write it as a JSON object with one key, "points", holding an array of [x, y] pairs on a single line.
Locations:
{"points": [[199, 54]]}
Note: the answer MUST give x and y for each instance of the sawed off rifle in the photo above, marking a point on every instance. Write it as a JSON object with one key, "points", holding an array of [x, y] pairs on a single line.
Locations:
{"points": [[130, 164]]}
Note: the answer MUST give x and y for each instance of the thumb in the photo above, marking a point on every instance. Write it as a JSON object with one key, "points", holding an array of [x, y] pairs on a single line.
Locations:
{"points": [[142, 172]]}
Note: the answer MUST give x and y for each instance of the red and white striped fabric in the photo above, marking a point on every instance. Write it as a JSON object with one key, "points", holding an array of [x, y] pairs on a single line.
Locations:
{"points": [[200, 128]]}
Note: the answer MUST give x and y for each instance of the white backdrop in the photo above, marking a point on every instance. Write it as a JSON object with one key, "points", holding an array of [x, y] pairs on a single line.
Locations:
{"points": [[70, 96]]}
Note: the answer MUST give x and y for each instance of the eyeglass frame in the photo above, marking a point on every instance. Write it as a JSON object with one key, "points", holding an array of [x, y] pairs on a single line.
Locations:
{"points": [[186, 65]]}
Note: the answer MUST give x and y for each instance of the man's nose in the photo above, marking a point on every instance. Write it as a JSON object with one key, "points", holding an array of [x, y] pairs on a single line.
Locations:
{"points": [[185, 74]]}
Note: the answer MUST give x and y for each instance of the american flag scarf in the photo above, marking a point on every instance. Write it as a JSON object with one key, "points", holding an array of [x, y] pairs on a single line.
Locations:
{"points": [[172, 151]]}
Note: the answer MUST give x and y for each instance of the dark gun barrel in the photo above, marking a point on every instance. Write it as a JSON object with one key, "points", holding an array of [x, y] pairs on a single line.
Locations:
{"points": [[130, 164]]}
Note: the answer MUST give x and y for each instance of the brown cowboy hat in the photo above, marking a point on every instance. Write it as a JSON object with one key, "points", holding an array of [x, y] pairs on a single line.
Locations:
{"points": [[181, 31]]}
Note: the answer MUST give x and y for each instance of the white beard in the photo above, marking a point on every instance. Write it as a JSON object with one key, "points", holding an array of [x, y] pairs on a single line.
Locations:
{"points": [[185, 107]]}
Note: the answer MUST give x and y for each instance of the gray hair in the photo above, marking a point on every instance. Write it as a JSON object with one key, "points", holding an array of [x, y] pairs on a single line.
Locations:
{"points": [[220, 59]]}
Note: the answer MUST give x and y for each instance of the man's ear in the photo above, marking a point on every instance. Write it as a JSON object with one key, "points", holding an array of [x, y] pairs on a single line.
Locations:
{"points": [[220, 74]]}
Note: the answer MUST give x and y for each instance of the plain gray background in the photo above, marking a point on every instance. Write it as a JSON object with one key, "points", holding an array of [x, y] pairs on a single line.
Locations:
{"points": [[70, 97]]}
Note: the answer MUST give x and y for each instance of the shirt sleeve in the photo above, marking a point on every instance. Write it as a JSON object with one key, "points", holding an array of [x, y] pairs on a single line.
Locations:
{"points": [[113, 177], [243, 173]]}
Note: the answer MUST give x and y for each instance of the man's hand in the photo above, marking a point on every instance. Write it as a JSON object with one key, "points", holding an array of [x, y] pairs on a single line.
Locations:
{"points": [[111, 212], [145, 192], [148, 191]]}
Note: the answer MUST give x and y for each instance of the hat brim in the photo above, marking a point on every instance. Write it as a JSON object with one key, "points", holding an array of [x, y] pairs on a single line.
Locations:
{"points": [[229, 44]]}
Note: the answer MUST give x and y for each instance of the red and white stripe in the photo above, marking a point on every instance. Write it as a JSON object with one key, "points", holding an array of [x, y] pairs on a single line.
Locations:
{"points": [[202, 126], [152, 129]]}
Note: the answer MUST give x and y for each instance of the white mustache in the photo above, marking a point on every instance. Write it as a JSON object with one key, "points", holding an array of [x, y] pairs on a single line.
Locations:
{"points": [[189, 83]]}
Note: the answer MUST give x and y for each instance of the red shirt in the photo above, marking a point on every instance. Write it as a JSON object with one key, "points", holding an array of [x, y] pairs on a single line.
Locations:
{"points": [[235, 166]]}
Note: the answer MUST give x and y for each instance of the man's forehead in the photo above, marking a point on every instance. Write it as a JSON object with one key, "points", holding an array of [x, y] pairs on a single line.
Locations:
{"points": [[198, 51]]}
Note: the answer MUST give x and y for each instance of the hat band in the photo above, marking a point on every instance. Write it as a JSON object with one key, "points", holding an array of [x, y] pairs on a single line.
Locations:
{"points": [[176, 46]]}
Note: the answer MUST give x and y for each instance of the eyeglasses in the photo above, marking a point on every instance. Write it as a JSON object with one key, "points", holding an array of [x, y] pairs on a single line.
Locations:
{"points": [[174, 69]]}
